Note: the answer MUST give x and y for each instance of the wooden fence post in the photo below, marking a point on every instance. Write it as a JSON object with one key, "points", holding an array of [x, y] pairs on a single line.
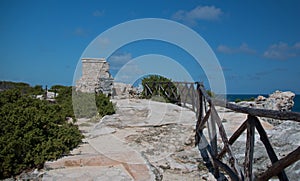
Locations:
{"points": [[249, 148], [213, 140], [271, 153]]}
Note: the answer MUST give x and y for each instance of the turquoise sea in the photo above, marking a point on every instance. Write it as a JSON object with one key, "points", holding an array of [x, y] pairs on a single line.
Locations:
{"points": [[233, 97]]}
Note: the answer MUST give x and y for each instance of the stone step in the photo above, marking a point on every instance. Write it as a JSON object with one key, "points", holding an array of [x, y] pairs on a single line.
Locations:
{"points": [[81, 163], [89, 173]]}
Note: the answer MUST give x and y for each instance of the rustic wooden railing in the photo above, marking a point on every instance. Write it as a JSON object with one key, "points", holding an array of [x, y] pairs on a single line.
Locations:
{"points": [[214, 158], [197, 99], [182, 93]]}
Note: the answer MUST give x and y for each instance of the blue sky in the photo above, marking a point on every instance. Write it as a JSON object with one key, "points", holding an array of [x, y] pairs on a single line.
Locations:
{"points": [[257, 43]]}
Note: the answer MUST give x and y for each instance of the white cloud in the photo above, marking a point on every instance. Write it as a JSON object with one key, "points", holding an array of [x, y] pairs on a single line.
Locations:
{"points": [[119, 59], [98, 13], [128, 73], [297, 45], [225, 49], [103, 41], [243, 48], [209, 13], [282, 51], [80, 32]]}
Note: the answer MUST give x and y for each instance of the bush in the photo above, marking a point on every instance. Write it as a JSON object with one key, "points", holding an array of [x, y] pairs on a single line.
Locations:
{"points": [[237, 100], [31, 132], [89, 105], [211, 93], [64, 99], [104, 105], [168, 92], [24, 88], [246, 99], [82, 104]]}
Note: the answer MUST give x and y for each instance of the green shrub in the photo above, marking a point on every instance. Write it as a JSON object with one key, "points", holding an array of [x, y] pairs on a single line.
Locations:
{"points": [[24, 88], [64, 99], [31, 132], [250, 99], [104, 105], [247, 99], [211, 93], [158, 99], [167, 89], [237, 100], [88, 105]]}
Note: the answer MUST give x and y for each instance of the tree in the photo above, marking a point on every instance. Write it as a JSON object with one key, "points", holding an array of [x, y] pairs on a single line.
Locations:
{"points": [[160, 86]]}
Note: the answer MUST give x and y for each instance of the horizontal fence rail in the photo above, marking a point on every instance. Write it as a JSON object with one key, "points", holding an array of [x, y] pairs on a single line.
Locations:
{"points": [[249, 125], [195, 97], [182, 93]]}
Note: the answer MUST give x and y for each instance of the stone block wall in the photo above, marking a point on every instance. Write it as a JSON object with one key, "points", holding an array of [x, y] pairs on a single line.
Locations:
{"points": [[95, 76]]}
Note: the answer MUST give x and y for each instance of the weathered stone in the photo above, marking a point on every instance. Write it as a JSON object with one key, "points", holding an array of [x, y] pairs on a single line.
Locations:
{"points": [[279, 101], [152, 139], [31, 175], [284, 139], [284, 136], [164, 165], [101, 173], [260, 99], [124, 91], [144, 136], [95, 76]]}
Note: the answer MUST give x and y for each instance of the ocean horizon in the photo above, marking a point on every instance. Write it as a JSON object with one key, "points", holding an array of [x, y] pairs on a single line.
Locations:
{"points": [[233, 97]]}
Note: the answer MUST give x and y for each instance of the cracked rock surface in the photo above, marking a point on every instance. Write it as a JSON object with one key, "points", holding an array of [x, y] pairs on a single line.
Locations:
{"points": [[144, 140], [148, 140]]}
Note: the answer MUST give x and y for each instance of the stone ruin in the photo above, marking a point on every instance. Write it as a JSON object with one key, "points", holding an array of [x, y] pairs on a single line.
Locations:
{"points": [[95, 77], [279, 101], [125, 91]]}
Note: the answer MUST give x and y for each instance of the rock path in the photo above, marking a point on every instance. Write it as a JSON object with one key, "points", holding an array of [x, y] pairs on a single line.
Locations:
{"points": [[144, 140], [139, 142]]}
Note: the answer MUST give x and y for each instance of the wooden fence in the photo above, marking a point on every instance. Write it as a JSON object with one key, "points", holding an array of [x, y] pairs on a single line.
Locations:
{"points": [[182, 93], [197, 99]]}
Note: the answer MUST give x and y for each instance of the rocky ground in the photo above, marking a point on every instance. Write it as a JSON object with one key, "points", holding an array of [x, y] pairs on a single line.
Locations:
{"points": [[144, 140], [148, 140], [284, 138]]}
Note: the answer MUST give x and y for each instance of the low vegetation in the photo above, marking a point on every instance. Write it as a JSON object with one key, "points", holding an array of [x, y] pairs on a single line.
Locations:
{"points": [[90, 105], [24, 88], [211, 94], [33, 131], [241, 100], [166, 92], [82, 105]]}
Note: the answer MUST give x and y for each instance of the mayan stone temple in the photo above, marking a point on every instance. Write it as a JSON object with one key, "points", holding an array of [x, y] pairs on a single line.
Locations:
{"points": [[95, 76]]}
